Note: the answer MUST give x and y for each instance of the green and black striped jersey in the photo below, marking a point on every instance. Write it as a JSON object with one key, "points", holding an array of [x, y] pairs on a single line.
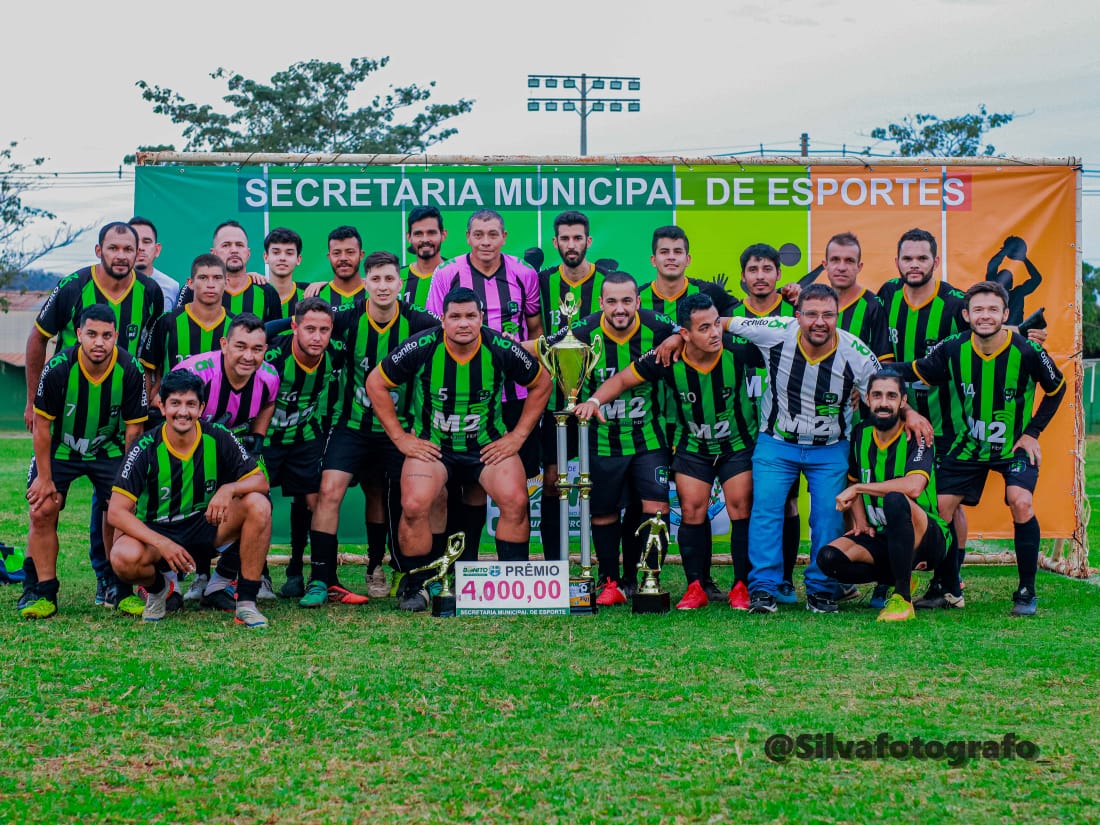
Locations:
{"points": [[870, 461], [457, 401], [90, 415], [650, 298], [553, 287], [995, 394], [287, 305], [365, 345], [715, 413], [136, 311], [346, 308], [913, 331], [780, 309], [180, 335], [261, 300], [634, 421], [300, 401], [414, 292], [169, 486], [865, 318]]}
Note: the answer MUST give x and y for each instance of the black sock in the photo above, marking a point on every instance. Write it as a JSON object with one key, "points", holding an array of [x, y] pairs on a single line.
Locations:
{"points": [[30, 574], [739, 549], [415, 581], [202, 566], [605, 541], [550, 526], [247, 589], [960, 559], [792, 536], [632, 544], [513, 550], [900, 540], [47, 590], [229, 562], [947, 572], [376, 544], [300, 520], [707, 558], [692, 539], [323, 548], [473, 526], [158, 582], [834, 564], [1027, 552]]}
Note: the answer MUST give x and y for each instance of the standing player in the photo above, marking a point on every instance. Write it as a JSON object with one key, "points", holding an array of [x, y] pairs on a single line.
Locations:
{"points": [[992, 374], [671, 258], [242, 293], [136, 302], [295, 442], [629, 449], [283, 254], [358, 450], [185, 485], [425, 236], [716, 429], [148, 252], [89, 407], [457, 373], [896, 526]]}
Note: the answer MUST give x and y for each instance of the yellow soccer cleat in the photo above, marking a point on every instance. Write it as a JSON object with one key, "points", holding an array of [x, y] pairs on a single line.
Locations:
{"points": [[897, 610]]}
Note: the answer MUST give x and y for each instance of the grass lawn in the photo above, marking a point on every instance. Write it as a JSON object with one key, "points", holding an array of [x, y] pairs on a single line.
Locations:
{"points": [[356, 714]]}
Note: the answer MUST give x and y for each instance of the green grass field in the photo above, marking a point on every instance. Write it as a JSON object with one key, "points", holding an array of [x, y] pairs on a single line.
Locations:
{"points": [[358, 714]]}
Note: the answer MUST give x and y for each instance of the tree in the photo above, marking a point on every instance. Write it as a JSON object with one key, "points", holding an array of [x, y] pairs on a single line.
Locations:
{"points": [[930, 136], [16, 217], [1090, 309], [307, 108]]}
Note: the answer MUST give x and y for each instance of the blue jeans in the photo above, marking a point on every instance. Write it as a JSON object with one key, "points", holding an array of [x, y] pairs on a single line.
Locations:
{"points": [[775, 467]]}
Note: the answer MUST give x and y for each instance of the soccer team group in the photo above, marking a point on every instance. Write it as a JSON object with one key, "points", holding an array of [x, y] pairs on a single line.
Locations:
{"points": [[185, 406]]}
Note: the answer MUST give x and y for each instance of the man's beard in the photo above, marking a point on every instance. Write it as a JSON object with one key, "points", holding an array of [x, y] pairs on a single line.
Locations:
{"points": [[884, 424]]}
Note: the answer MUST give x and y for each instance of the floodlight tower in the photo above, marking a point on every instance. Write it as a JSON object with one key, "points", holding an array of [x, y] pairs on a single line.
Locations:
{"points": [[585, 104]]}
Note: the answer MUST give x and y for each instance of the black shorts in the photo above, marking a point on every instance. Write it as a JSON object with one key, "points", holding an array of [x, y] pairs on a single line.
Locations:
{"points": [[619, 480], [194, 534], [707, 468], [510, 412], [368, 457], [932, 551], [462, 468], [967, 478], [548, 431], [100, 471], [296, 468]]}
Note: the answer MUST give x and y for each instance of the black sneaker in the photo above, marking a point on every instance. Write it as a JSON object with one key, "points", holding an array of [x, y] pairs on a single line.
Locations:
{"points": [[930, 598], [761, 601], [628, 589], [1024, 602], [174, 604], [29, 597], [224, 600], [715, 594], [101, 585], [820, 604], [415, 602], [940, 601]]}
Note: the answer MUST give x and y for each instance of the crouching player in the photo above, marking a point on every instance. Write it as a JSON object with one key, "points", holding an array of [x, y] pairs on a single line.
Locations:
{"points": [[186, 484], [892, 501]]}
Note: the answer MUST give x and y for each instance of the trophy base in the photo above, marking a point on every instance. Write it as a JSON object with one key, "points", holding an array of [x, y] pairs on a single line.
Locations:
{"points": [[444, 607], [582, 595], [660, 602]]}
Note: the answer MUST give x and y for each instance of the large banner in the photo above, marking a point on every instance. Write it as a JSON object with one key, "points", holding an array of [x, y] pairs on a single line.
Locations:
{"points": [[1015, 224]]}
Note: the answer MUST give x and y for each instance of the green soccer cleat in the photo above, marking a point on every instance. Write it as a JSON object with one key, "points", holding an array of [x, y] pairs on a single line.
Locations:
{"points": [[39, 609], [316, 595], [132, 606], [897, 610]]}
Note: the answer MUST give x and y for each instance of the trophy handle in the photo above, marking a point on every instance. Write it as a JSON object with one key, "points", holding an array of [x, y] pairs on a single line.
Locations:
{"points": [[544, 350], [595, 353]]}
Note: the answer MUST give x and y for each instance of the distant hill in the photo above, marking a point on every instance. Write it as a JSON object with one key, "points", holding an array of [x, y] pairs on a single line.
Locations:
{"points": [[35, 280]]}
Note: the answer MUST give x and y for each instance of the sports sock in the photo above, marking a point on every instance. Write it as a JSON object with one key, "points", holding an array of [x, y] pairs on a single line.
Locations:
{"points": [[229, 562], [550, 527], [834, 564], [247, 589], [605, 541], [300, 520], [513, 550], [900, 540], [473, 526], [739, 549], [706, 559], [158, 582], [376, 544], [792, 536], [323, 556], [1027, 552], [632, 544], [48, 589], [692, 539]]}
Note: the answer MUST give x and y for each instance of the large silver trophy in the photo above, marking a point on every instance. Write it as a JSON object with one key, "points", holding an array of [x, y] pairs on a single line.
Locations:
{"points": [[570, 362]]}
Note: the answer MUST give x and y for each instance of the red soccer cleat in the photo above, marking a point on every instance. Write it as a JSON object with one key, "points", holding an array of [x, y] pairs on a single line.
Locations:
{"points": [[611, 595], [694, 598], [739, 597], [341, 595]]}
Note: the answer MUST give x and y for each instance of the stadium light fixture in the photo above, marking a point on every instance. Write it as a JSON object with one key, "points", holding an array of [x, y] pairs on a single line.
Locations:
{"points": [[585, 104]]}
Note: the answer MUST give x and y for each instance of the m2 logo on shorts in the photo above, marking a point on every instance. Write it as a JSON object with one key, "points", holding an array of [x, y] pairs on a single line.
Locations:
{"points": [[661, 476]]}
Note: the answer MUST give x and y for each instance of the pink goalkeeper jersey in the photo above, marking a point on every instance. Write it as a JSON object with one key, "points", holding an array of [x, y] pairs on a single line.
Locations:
{"points": [[231, 408]]}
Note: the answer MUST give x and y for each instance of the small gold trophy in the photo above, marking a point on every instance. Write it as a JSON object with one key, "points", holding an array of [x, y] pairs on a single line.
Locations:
{"points": [[443, 603], [571, 361], [650, 598]]}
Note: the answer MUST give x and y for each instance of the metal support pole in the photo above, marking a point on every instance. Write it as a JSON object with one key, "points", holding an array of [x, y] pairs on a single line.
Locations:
{"points": [[561, 430], [584, 115], [584, 483]]}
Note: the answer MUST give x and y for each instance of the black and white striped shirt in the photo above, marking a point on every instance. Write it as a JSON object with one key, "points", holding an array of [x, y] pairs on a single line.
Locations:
{"points": [[806, 401]]}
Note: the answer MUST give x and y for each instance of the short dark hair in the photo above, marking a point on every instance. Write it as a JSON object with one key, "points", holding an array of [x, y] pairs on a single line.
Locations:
{"points": [[137, 221], [619, 277], [844, 239], [280, 234], [462, 295], [230, 223], [314, 304], [485, 215], [381, 258], [888, 374], [207, 259], [571, 218], [986, 288], [345, 233], [422, 213], [119, 227], [247, 321], [670, 233], [763, 251], [98, 312], [919, 235], [817, 292], [182, 382], [690, 304]]}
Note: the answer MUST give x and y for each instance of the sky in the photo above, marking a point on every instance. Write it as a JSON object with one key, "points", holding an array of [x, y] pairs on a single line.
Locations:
{"points": [[717, 77]]}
